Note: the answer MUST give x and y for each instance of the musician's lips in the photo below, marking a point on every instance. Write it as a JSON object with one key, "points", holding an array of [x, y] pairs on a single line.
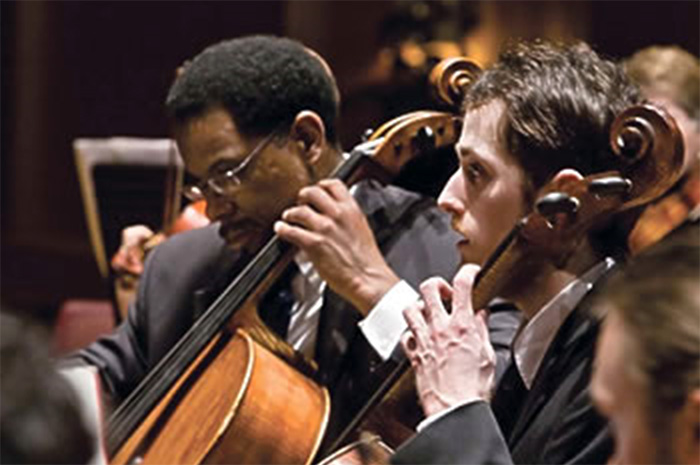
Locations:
{"points": [[463, 243]]}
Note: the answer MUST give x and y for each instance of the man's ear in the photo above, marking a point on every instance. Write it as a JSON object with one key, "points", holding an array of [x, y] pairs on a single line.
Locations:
{"points": [[687, 437], [309, 135]]}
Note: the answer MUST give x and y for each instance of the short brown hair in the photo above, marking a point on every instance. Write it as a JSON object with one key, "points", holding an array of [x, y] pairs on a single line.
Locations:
{"points": [[561, 100]]}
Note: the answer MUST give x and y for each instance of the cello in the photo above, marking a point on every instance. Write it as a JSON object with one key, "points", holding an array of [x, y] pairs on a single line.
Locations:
{"points": [[668, 213], [650, 150], [216, 374]]}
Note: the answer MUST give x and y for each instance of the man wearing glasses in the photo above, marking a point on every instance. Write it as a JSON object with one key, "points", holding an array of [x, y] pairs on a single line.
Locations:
{"points": [[254, 119]]}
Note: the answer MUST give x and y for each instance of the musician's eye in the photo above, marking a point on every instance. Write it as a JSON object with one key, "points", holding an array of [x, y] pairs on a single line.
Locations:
{"points": [[473, 172]]}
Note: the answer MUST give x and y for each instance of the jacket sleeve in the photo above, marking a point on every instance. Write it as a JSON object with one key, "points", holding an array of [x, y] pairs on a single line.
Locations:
{"points": [[468, 435], [181, 277], [120, 357]]}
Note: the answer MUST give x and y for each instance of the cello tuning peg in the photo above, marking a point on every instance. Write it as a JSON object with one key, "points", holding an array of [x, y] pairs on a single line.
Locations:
{"points": [[367, 134], [611, 185], [555, 203], [424, 140]]}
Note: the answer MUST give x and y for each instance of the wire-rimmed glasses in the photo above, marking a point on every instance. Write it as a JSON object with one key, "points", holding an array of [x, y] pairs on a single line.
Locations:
{"points": [[222, 182]]}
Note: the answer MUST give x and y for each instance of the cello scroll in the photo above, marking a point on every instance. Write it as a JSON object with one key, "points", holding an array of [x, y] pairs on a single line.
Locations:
{"points": [[650, 146], [451, 77]]}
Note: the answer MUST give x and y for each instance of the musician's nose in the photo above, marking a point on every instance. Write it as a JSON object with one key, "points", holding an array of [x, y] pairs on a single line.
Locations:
{"points": [[220, 207], [451, 198]]}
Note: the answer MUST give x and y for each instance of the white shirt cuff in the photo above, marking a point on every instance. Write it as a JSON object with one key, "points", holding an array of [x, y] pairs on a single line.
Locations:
{"points": [[384, 325], [436, 416]]}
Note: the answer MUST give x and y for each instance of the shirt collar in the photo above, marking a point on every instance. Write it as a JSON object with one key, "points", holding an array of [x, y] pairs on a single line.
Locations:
{"points": [[306, 267], [535, 336]]}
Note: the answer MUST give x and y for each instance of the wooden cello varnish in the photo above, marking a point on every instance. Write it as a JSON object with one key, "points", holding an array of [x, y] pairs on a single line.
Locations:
{"points": [[222, 424]]}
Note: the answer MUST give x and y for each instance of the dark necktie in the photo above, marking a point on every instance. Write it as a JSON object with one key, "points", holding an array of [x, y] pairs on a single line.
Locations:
{"points": [[508, 400], [276, 306]]}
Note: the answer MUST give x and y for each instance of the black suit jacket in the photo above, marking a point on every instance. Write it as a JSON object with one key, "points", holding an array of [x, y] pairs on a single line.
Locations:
{"points": [[555, 422], [188, 271]]}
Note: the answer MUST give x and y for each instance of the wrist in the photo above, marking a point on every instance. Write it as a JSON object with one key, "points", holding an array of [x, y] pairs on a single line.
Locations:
{"points": [[371, 287], [432, 406], [437, 405]]}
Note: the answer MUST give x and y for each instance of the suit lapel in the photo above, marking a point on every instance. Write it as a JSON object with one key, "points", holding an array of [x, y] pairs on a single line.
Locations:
{"points": [[572, 342]]}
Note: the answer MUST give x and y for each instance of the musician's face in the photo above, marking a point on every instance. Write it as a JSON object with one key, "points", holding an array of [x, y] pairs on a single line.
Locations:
{"points": [[619, 395], [211, 144], [485, 195]]}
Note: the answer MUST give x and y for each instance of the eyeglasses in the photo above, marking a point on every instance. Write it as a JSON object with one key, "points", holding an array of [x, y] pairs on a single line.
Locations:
{"points": [[221, 183]]}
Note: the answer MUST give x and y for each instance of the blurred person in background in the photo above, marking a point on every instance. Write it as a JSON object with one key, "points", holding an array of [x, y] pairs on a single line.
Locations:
{"points": [[646, 376], [40, 419], [670, 77]]}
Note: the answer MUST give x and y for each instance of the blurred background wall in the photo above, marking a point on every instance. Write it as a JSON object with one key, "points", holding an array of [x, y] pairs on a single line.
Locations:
{"points": [[99, 69]]}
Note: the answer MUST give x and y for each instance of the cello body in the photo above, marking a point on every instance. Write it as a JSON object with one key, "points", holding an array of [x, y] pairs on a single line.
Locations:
{"points": [[240, 402]]}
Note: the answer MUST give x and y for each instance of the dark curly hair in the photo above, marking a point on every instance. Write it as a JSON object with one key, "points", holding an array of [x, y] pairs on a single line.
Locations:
{"points": [[560, 102], [263, 81]]}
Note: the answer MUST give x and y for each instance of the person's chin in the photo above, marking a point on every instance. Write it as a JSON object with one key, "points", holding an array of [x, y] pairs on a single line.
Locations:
{"points": [[240, 238], [466, 252]]}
